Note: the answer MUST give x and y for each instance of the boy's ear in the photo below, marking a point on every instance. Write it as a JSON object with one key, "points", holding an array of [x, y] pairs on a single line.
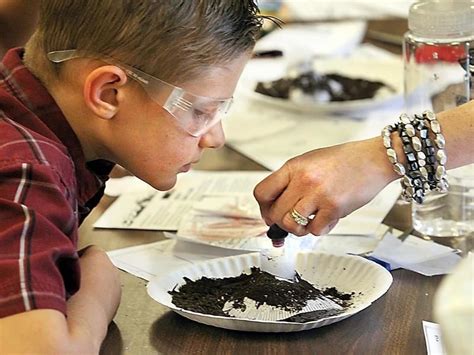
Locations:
{"points": [[100, 90]]}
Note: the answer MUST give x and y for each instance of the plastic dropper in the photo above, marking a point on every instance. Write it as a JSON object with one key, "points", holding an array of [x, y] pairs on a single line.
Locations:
{"points": [[277, 235], [278, 260]]}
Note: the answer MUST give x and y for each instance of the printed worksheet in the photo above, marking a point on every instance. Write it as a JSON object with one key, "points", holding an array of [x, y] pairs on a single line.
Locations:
{"points": [[163, 210]]}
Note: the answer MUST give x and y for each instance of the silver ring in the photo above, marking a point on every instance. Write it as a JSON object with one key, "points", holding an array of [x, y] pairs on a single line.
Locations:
{"points": [[299, 218]]}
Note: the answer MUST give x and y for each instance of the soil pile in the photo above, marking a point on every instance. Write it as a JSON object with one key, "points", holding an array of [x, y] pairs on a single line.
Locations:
{"points": [[209, 295]]}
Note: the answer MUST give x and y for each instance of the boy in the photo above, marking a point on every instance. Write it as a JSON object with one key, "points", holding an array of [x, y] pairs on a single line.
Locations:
{"points": [[140, 83]]}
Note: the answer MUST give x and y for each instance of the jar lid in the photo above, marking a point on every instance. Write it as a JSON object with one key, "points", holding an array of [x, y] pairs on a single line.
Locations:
{"points": [[441, 19]]}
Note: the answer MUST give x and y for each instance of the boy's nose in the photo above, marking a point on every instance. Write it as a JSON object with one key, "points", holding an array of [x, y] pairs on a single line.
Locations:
{"points": [[214, 138]]}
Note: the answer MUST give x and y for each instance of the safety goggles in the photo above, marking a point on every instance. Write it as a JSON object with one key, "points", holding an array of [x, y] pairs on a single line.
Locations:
{"points": [[195, 114]]}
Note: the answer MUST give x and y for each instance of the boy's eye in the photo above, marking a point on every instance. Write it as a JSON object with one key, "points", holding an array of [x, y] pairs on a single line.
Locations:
{"points": [[204, 115]]}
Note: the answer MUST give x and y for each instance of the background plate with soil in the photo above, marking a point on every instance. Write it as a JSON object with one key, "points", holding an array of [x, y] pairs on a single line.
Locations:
{"points": [[367, 281], [389, 72]]}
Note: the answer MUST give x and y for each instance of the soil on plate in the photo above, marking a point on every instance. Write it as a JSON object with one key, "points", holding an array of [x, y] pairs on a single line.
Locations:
{"points": [[209, 295], [333, 87]]}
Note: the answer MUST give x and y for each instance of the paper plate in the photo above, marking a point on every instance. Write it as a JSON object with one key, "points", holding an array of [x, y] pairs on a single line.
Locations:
{"points": [[389, 72], [366, 279]]}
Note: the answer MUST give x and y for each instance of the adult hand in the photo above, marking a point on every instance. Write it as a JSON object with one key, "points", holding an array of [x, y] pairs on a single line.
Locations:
{"points": [[328, 183]]}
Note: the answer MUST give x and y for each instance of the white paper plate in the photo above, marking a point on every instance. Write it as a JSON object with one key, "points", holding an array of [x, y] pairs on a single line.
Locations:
{"points": [[347, 273], [389, 72]]}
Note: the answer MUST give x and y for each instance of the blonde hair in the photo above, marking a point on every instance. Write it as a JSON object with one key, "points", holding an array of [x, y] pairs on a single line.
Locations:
{"points": [[171, 39]]}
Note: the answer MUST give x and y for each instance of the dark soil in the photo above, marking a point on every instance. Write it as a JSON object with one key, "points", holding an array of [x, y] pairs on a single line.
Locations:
{"points": [[339, 297], [208, 295], [338, 87], [312, 316]]}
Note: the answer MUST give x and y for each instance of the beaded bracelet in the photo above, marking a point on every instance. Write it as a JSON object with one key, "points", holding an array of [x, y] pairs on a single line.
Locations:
{"points": [[413, 183], [425, 169], [429, 150], [422, 131], [391, 153], [440, 179]]}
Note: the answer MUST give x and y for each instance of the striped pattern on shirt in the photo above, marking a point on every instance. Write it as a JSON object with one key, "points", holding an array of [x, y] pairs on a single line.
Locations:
{"points": [[46, 189]]}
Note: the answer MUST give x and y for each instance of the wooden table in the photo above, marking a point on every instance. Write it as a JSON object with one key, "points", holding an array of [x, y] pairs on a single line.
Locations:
{"points": [[392, 325]]}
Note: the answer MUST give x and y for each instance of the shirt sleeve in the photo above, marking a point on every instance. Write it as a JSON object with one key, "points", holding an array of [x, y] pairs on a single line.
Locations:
{"points": [[39, 266]]}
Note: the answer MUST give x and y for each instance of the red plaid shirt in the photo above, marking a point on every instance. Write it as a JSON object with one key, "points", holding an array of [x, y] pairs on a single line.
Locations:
{"points": [[46, 189]]}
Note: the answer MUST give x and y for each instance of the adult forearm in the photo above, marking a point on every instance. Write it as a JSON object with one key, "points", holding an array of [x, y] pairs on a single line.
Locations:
{"points": [[457, 126]]}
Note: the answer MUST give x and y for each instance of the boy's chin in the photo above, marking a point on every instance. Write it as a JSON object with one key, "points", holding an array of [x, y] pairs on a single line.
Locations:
{"points": [[163, 183]]}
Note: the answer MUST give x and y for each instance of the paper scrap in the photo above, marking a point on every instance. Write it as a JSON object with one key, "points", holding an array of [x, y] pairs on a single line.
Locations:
{"points": [[433, 338], [234, 206], [229, 221], [213, 228], [424, 257]]}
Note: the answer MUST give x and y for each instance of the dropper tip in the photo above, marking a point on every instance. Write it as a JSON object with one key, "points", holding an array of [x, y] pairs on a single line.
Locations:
{"points": [[277, 235], [278, 243]]}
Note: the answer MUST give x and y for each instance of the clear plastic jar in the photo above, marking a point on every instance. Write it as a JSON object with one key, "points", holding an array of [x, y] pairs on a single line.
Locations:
{"points": [[438, 50], [438, 56]]}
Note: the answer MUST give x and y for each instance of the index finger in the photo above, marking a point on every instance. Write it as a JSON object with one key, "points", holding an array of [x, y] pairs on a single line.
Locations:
{"points": [[270, 188]]}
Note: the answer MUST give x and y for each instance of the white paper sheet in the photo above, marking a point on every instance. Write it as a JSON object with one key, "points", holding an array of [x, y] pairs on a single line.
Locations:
{"points": [[159, 258], [433, 338], [280, 135], [328, 39], [127, 184], [162, 210], [418, 255], [344, 9]]}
